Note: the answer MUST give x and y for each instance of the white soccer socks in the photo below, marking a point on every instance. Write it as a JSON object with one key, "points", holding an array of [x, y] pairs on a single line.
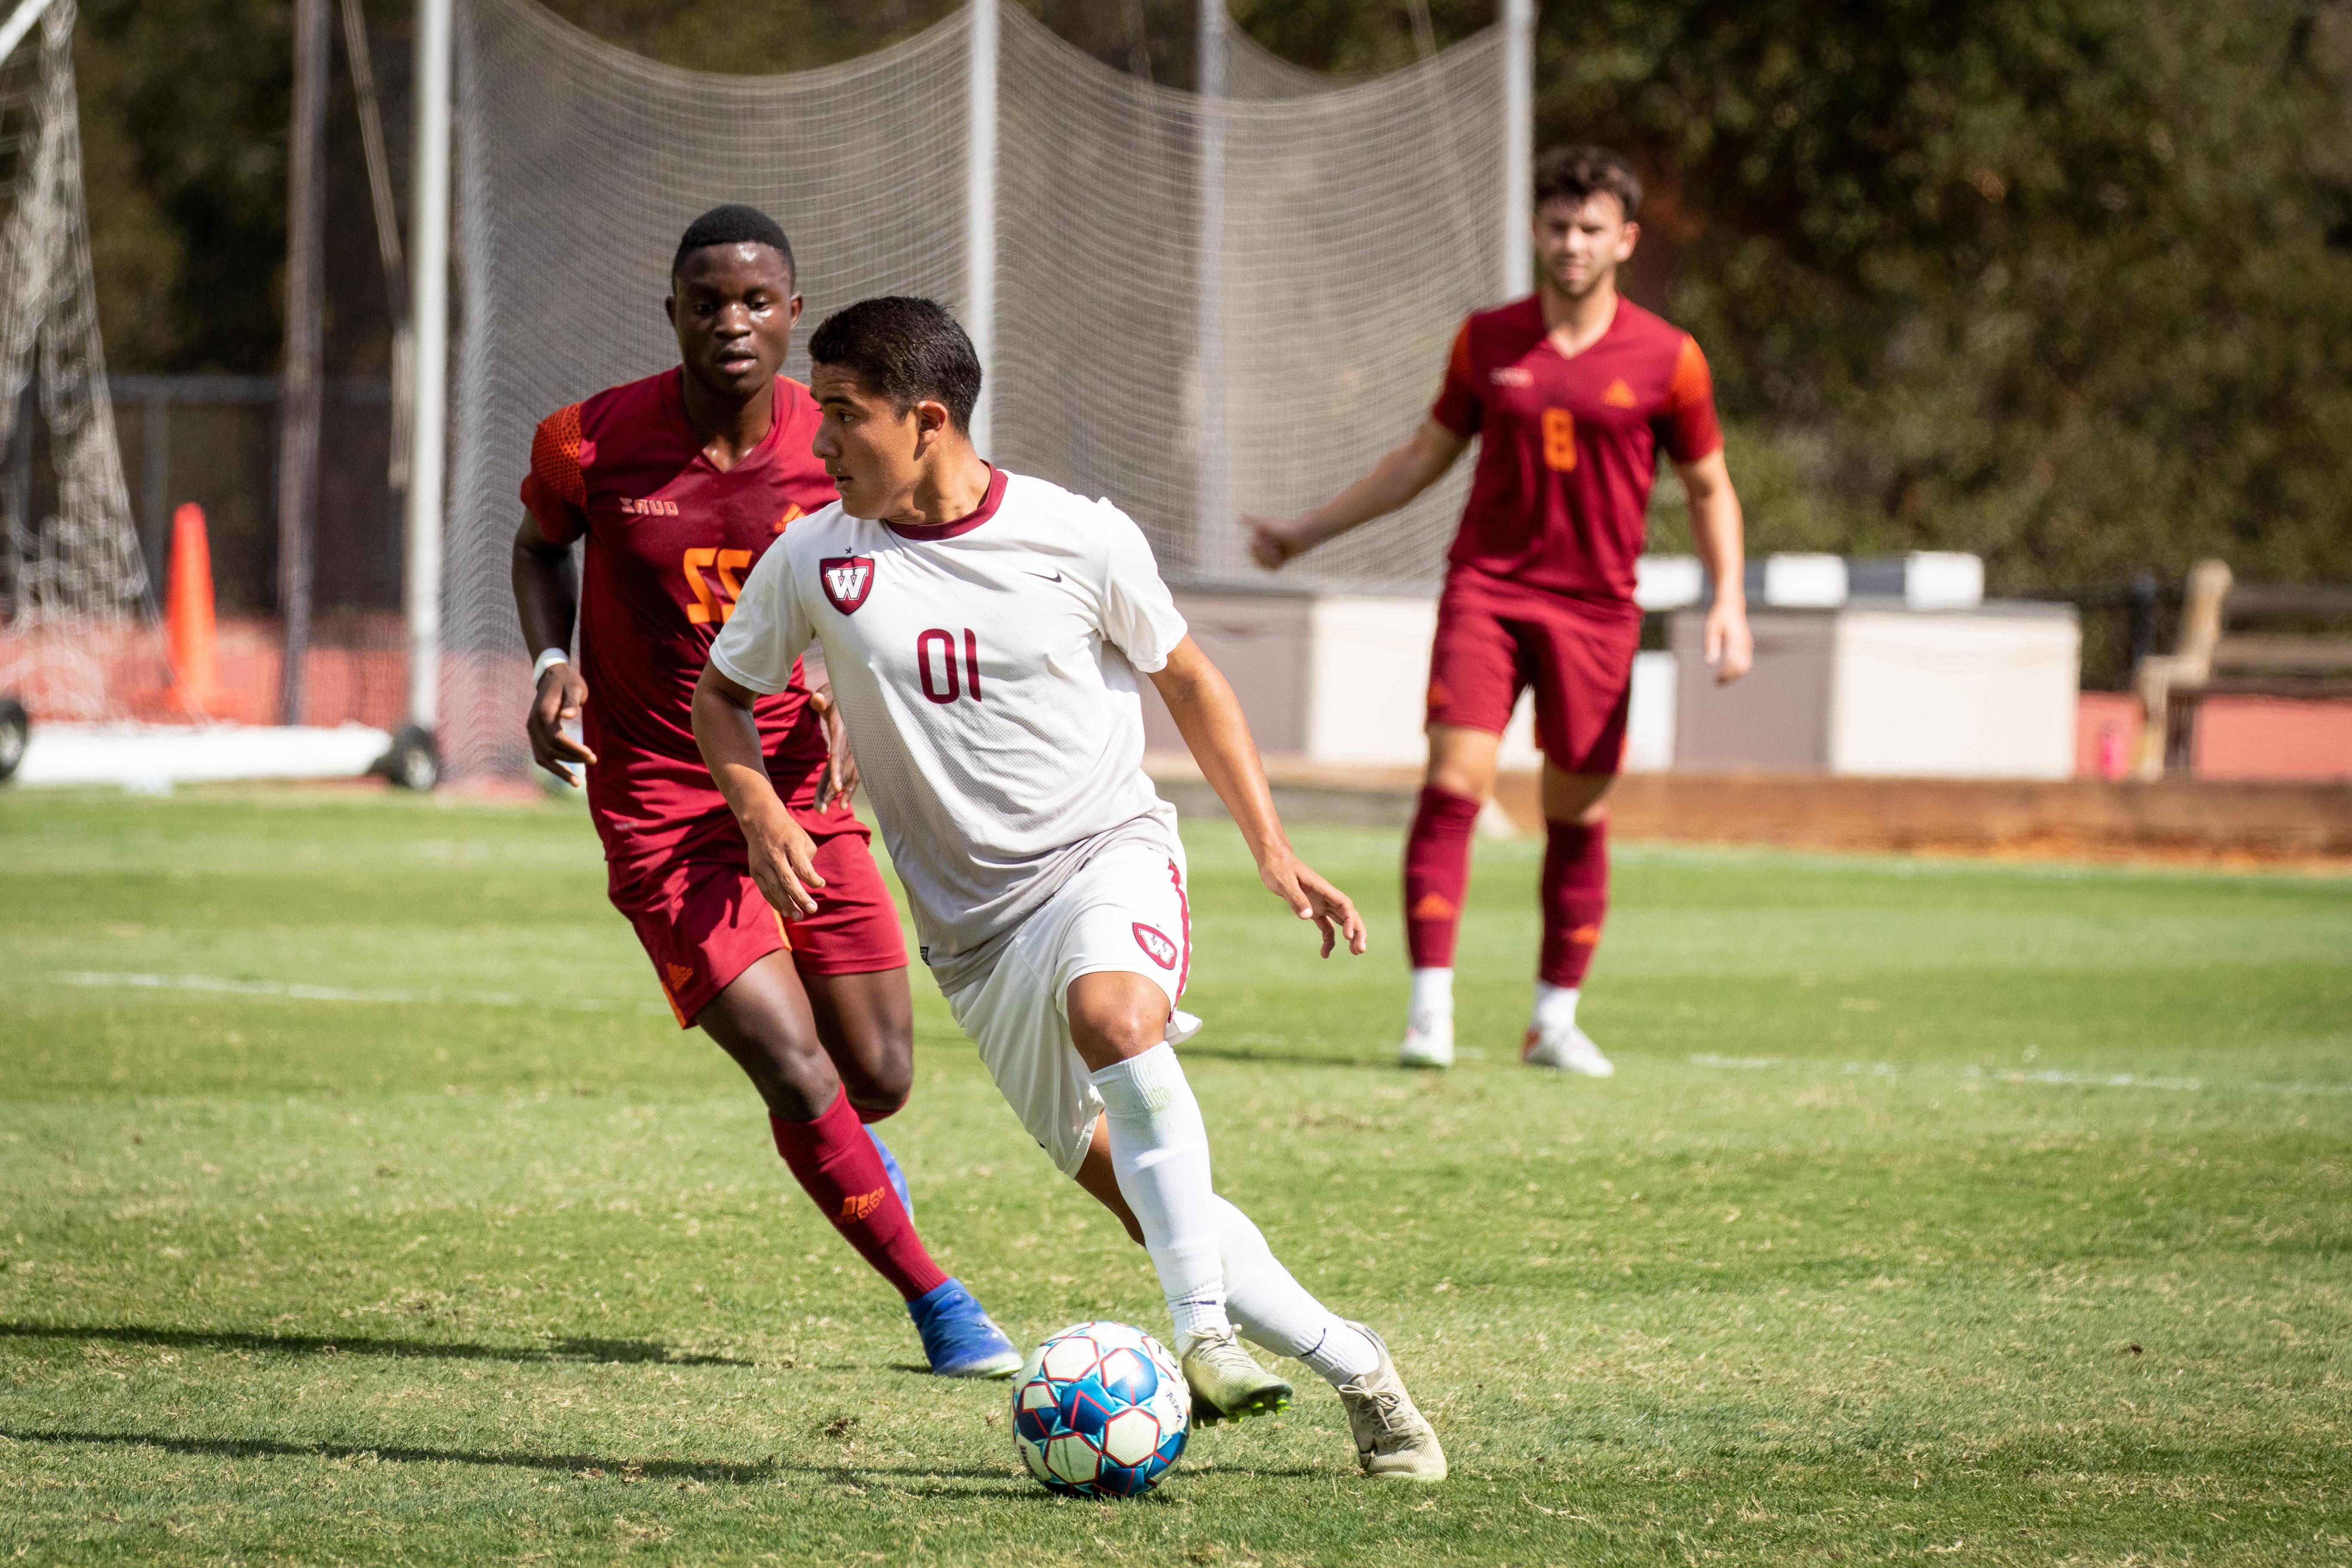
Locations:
{"points": [[1275, 1310], [1429, 1021], [1555, 1007], [1432, 996], [1159, 1153]]}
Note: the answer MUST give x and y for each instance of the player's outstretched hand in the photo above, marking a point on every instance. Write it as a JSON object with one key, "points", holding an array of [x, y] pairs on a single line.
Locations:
{"points": [[841, 763], [1269, 545], [1312, 898], [783, 863], [562, 695]]}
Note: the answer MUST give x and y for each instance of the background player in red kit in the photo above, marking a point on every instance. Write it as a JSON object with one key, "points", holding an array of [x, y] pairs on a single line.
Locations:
{"points": [[1571, 391], [678, 483]]}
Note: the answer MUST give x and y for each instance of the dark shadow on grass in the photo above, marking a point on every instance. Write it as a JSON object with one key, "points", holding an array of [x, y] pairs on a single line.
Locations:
{"points": [[564, 1350], [593, 1466]]}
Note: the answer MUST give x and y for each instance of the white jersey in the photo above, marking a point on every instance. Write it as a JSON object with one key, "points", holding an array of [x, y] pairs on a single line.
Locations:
{"points": [[986, 669]]}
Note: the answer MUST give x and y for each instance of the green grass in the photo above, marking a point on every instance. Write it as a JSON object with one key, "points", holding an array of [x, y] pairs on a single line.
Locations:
{"points": [[1861, 1256]]}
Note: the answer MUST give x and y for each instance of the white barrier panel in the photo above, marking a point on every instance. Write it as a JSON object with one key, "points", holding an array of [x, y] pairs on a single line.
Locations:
{"points": [[154, 757], [1344, 679]]}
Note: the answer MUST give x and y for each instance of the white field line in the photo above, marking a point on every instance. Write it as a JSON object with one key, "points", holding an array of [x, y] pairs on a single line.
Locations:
{"points": [[296, 991], [2011, 1075]]}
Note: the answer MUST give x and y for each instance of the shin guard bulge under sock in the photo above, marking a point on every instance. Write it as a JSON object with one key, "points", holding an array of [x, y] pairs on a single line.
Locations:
{"points": [[1436, 875], [1277, 1312], [836, 1164], [1159, 1153], [1575, 898]]}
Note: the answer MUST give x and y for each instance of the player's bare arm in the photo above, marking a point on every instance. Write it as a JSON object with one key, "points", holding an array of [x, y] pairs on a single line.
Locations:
{"points": [[841, 763], [1716, 532], [782, 856], [1209, 716], [1394, 481], [547, 597]]}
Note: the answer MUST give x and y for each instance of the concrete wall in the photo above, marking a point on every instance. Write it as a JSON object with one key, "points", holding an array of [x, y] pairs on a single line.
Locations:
{"points": [[1879, 690]]}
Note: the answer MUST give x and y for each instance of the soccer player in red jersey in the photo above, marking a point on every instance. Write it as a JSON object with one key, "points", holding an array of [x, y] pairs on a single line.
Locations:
{"points": [[1572, 391], [678, 483]]}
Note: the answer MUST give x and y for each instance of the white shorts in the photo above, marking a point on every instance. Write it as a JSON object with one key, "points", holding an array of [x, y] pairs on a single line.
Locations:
{"points": [[1126, 910]]}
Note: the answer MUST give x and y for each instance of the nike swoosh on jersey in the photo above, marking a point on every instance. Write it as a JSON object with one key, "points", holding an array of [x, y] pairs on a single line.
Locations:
{"points": [[1043, 578]]}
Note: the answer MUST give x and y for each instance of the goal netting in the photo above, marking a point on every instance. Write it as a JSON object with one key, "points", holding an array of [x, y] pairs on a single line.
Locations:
{"points": [[72, 580], [1200, 307]]}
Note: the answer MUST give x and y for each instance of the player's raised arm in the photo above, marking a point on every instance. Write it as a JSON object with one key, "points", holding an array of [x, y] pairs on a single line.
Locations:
{"points": [[1394, 481], [782, 855], [1210, 718]]}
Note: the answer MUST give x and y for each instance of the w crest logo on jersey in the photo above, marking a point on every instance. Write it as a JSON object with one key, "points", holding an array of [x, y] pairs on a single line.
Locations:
{"points": [[1155, 944], [848, 580]]}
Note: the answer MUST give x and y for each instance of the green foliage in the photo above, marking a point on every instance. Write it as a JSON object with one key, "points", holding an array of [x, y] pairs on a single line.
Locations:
{"points": [[2064, 282], [2067, 282], [183, 111], [509, 1273]]}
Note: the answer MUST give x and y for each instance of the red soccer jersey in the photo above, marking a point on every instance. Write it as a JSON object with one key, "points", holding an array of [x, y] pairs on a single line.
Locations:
{"points": [[670, 540], [1567, 448]]}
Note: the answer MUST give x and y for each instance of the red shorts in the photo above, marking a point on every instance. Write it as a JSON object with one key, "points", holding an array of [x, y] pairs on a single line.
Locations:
{"points": [[1495, 640], [705, 921]]}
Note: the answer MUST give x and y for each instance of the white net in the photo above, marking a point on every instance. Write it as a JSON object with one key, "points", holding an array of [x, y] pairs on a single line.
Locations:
{"points": [[1360, 221], [74, 579]]}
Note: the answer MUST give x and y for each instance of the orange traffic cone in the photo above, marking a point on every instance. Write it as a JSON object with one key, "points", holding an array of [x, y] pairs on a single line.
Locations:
{"points": [[188, 612]]}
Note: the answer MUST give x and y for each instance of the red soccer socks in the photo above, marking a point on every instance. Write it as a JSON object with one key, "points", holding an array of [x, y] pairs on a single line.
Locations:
{"points": [[837, 1165], [1437, 874], [1575, 898]]}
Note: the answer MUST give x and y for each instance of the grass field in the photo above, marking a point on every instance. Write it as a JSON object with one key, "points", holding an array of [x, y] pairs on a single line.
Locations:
{"points": [[1951, 1213]]}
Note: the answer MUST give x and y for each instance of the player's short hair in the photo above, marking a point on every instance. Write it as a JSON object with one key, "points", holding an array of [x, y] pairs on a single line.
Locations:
{"points": [[1577, 173], [733, 224], [905, 349]]}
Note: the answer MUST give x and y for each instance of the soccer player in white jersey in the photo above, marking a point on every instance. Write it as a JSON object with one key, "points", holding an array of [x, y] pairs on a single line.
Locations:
{"points": [[984, 632]]}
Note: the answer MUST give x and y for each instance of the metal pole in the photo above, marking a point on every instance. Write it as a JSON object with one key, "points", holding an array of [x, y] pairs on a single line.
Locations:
{"points": [[387, 232], [979, 210], [20, 523], [20, 22], [1213, 497], [297, 410], [154, 480], [1519, 145], [428, 295]]}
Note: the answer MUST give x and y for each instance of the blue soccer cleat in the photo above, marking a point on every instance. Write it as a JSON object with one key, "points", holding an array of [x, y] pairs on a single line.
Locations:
{"points": [[960, 1339], [890, 1167]]}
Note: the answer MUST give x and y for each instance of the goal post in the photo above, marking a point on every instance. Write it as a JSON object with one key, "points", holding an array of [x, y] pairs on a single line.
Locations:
{"points": [[75, 639]]}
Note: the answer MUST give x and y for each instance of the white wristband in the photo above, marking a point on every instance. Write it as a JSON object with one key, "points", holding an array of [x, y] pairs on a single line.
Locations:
{"points": [[547, 661]]}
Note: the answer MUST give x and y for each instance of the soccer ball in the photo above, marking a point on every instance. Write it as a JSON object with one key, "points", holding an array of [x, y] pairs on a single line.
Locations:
{"points": [[1100, 1410]]}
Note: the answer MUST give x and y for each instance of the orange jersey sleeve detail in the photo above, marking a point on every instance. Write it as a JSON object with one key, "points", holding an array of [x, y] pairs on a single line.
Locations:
{"points": [[1686, 419], [556, 490], [1457, 407]]}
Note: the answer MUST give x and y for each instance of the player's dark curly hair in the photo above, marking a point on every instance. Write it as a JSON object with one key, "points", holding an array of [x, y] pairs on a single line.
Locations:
{"points": [[733, 224], [905, 349], [1574, 173]]}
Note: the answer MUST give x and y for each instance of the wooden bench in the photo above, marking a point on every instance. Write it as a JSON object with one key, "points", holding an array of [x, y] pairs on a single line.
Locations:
{"points": [[2214, 660]]}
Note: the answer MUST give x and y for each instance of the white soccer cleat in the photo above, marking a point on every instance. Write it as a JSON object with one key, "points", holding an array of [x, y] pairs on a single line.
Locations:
{"points": [[1428, 1042], [1565, 1050], [1226, 1381], [1394, 1441]]}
